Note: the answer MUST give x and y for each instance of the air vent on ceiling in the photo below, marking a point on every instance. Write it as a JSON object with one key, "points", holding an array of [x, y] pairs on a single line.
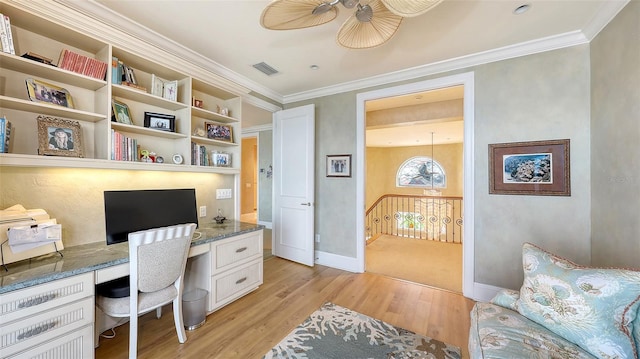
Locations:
{"points": [[265, 69]]}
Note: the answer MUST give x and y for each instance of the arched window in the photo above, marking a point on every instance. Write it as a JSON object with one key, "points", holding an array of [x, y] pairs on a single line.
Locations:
{"points": [[419, 172]]}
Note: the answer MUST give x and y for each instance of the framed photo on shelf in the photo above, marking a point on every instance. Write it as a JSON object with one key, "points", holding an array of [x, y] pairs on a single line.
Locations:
{"points": [[221, 159], [170, 91], [120, 113], [59, 137], [40, 91], [530, 168], [160, 121], [219, 132], [157, 85], [338, 165]]}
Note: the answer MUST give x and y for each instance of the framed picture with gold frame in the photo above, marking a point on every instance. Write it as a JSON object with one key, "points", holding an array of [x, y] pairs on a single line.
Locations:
{"points": [[59, 137], [40, 91]]}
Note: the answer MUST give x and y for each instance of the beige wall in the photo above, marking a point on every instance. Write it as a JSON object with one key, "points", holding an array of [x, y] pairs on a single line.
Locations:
{"points": [[75, 196], [383, 164], [615, 141]]}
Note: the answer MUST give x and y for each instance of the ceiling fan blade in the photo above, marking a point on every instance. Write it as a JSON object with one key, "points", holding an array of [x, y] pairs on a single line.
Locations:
{"points": [[410, 8], [356, 34], [295, 14]]}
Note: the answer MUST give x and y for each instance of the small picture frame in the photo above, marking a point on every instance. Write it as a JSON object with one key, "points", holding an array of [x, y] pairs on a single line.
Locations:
{"points": [[59, 137], [530, 168], [219, 132], [160, 121], [120, 113], [338, 165], [40, 91], [198, 103], [221, 159], [157, 85], [170, 91]]}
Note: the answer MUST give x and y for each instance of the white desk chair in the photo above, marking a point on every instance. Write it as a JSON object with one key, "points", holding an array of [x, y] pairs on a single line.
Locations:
{"points": [[157, 259]]}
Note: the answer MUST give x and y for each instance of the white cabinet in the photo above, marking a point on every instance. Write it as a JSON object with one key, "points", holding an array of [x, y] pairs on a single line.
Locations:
{"points": [[236, 268], [53, 320]]}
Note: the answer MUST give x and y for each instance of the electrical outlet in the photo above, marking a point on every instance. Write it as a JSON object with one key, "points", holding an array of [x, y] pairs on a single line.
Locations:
{"points": [[317, 238], [203, 211], [224, 193]]}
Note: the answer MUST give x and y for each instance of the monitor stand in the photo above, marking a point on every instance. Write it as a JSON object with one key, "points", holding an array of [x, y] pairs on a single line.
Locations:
{"points": [[117, 288]]}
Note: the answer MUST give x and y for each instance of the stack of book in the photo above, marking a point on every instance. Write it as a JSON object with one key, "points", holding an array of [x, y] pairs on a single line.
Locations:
{"points": [[122, 74], [6, 37], [124, 148], [80, 64], [199, 155], [5, 135]]}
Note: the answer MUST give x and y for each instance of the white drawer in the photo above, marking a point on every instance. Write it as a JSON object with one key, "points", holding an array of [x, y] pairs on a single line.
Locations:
{"points": [[31, 331], [74, 345], [20, 303], [236, 250], [233, 284]]}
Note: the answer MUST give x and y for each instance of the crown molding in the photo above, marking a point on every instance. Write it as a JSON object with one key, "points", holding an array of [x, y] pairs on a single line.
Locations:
{"points": [[260, 103], [526, 48], [607, 12]]}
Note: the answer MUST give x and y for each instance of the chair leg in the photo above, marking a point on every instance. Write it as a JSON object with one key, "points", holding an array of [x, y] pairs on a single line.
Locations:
{"points": [[177, 318], [133, 336]]}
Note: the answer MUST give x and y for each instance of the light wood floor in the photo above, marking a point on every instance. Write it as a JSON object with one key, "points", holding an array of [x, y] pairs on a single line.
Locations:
{"points": [[252, 325]]}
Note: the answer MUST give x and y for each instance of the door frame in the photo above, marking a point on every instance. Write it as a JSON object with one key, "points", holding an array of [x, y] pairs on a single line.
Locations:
{"points": [[467, 80]]}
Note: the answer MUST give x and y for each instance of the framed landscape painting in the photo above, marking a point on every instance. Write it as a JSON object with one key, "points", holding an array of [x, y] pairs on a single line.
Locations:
{"points": [[530, 168]]}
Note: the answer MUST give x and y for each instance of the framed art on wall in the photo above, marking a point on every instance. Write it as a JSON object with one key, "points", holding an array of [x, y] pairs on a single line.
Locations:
{"points": [[338, 165], [59, 137], [530, 168]]}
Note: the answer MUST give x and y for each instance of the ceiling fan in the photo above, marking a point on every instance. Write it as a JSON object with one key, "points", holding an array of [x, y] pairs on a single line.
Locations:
{"points": [[372, 23]]}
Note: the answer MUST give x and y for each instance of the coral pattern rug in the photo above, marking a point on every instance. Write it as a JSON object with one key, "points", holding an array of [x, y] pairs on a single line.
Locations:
{"points": [[334, 332]]}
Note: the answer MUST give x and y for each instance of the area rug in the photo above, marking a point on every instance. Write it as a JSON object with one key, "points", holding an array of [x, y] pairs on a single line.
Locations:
{"points": [[334, 332]]}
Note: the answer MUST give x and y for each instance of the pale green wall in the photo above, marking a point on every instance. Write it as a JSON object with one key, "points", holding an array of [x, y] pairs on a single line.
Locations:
{"points": [[615, 141], [536, 97], [383, 164]]}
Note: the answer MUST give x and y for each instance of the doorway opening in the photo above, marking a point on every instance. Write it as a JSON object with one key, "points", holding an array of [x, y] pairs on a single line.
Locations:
{"points": [[249, 180], [414, 187], [467, 81]]}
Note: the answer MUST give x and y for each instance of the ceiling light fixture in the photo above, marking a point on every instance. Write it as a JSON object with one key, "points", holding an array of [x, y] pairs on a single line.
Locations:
{"points": [[522, 9], [372, 24]]}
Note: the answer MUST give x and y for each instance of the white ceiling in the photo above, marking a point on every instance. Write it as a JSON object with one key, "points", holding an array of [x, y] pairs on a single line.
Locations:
{"points": [[229, 33], [465, 32]]}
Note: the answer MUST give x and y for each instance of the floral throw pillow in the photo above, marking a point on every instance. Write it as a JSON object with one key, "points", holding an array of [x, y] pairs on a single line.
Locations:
{"points": [[591, 307]]}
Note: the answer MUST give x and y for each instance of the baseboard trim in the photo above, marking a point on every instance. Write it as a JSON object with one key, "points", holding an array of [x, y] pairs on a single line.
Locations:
{"points": [[337, 261], [484, 292], [268, 225]]}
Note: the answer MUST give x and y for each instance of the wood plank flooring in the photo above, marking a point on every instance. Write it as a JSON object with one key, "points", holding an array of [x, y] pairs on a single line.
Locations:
{"points": [[252, 325]]}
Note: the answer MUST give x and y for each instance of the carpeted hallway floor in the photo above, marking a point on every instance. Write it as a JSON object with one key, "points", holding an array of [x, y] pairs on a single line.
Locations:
{"points": [[431, 263]]}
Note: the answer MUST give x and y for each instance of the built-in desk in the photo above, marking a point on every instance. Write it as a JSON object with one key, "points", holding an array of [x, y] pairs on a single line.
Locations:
{"points": [[48, 302]]}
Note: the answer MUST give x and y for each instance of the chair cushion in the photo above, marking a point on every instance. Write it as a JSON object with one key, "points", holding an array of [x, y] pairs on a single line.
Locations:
{"points": [[119, 307], [592, 307]]}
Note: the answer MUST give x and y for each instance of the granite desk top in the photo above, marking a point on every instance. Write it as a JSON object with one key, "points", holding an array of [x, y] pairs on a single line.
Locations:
{"points": [[93, 256]]}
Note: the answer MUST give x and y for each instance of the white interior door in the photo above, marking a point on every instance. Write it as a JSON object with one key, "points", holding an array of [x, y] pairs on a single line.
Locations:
{"points": [[293, 181]]}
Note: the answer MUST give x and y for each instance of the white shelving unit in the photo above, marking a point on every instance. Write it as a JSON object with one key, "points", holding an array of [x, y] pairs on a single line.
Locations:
{"points": [[93, 98]]}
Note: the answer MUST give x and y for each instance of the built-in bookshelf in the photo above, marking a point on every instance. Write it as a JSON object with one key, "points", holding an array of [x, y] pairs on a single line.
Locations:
{"points": [[93, 102]]}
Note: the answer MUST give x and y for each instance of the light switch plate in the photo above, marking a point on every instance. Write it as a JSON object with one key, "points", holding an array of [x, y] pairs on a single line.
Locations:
{"points": [[223, 193]]}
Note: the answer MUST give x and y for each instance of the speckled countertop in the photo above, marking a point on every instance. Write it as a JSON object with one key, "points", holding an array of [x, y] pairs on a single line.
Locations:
{"points": [[93, 256]]}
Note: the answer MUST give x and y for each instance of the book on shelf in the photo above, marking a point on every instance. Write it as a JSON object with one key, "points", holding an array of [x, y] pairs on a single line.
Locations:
{"points": [[124, 148], [84, 65], [6, 36], [199, 155], [37, 57], [116, 71], [5, 135], [134, 86]]}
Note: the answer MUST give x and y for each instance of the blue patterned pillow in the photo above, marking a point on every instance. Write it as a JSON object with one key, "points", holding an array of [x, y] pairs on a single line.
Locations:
{"points": [[507, 298], [592, 307]]}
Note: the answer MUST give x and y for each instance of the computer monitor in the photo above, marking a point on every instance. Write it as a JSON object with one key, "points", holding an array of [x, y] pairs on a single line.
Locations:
{"points": [[136, 210]]}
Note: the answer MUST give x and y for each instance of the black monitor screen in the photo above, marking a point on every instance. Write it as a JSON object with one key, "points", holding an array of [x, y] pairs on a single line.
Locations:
{"points": [[136, 210]]}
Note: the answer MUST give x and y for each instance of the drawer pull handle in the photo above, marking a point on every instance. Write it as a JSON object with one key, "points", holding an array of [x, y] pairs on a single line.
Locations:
{"points": [[240, 250], [38, 330], [37, 300], [241, 280]]}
